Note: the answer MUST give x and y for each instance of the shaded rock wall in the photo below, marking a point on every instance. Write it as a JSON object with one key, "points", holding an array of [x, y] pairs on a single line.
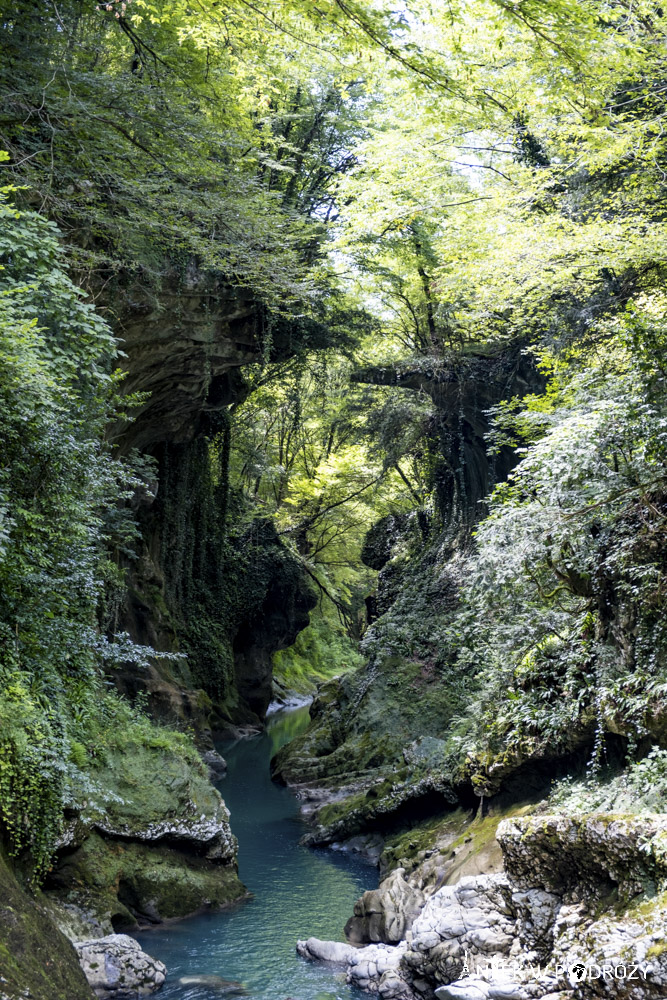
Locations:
{"points": [[226, 595], [183, 346], [36, 959], [185, 342], [205, 583]]}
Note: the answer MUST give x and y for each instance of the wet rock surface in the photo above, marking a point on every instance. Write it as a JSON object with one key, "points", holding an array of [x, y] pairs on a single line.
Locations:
{"points": [[369, 846], [216, 764], [218, 985]]}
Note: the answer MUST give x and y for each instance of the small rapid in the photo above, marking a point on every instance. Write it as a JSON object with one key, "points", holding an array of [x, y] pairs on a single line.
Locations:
{"points": [[297, 892]]}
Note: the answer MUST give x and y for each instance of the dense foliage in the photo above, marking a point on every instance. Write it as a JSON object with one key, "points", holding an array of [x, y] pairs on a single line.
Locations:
{"points": [[413, 191], [568, 578], [59, 494]]}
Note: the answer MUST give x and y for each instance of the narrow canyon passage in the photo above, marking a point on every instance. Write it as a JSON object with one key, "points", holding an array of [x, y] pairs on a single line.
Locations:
{"points": [[297, 892]]}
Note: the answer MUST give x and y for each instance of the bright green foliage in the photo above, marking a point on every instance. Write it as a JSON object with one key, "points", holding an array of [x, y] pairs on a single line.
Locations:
{"points": [[525, 199], [521, 204], [31, 774], [54, 482], [524, 205], [317, 455], [157, 136], [321, 651], [57, 396]]}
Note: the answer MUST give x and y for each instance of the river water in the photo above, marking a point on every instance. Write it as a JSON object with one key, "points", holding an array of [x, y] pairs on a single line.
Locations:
{"points": [[297, 892]]}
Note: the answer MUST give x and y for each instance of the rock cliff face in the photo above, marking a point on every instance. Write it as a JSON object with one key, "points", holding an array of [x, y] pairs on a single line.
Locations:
{"points": [[464, 387], [227, 599], [226, 596], [578, 913], [185, 343], [183, 346]]}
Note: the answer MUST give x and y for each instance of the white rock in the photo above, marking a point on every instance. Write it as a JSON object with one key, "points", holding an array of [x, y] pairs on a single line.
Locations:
{"points": [[115, 965], [326, 951], [463, 989]]}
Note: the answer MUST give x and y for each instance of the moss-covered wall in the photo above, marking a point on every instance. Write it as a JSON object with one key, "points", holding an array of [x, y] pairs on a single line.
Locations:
{"points": [[206, 582], [211, 584], [36, 960]]}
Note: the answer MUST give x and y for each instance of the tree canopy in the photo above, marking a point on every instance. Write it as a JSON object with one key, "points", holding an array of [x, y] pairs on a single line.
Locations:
{"points": [[433, 185]]}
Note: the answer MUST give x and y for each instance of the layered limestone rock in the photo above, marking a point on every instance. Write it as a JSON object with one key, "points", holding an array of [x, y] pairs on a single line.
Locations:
{"points": [[472, 918], [367, 967], [441, 850], [580, 913], [586, 856], [183, 345], [152, 843]]}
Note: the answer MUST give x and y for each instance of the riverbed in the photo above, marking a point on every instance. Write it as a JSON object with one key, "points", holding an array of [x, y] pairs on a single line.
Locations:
{"points": [[297, 892]]}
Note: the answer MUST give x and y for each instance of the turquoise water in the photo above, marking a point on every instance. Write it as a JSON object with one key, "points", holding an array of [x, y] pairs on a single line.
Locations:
{"points": [[297, 892]]}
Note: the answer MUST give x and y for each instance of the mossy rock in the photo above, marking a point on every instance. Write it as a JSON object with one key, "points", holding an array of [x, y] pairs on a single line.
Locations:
{"points": [[407, 848], [145, 784], [364, 721], [153, 843], [454, 844], [131, 884], [36, 959]]}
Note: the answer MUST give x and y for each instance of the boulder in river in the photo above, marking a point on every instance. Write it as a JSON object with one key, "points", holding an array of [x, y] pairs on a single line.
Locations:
{"points": [[215, 764], [228, 987], [386, 913], [116, 966], [326, 951]]}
